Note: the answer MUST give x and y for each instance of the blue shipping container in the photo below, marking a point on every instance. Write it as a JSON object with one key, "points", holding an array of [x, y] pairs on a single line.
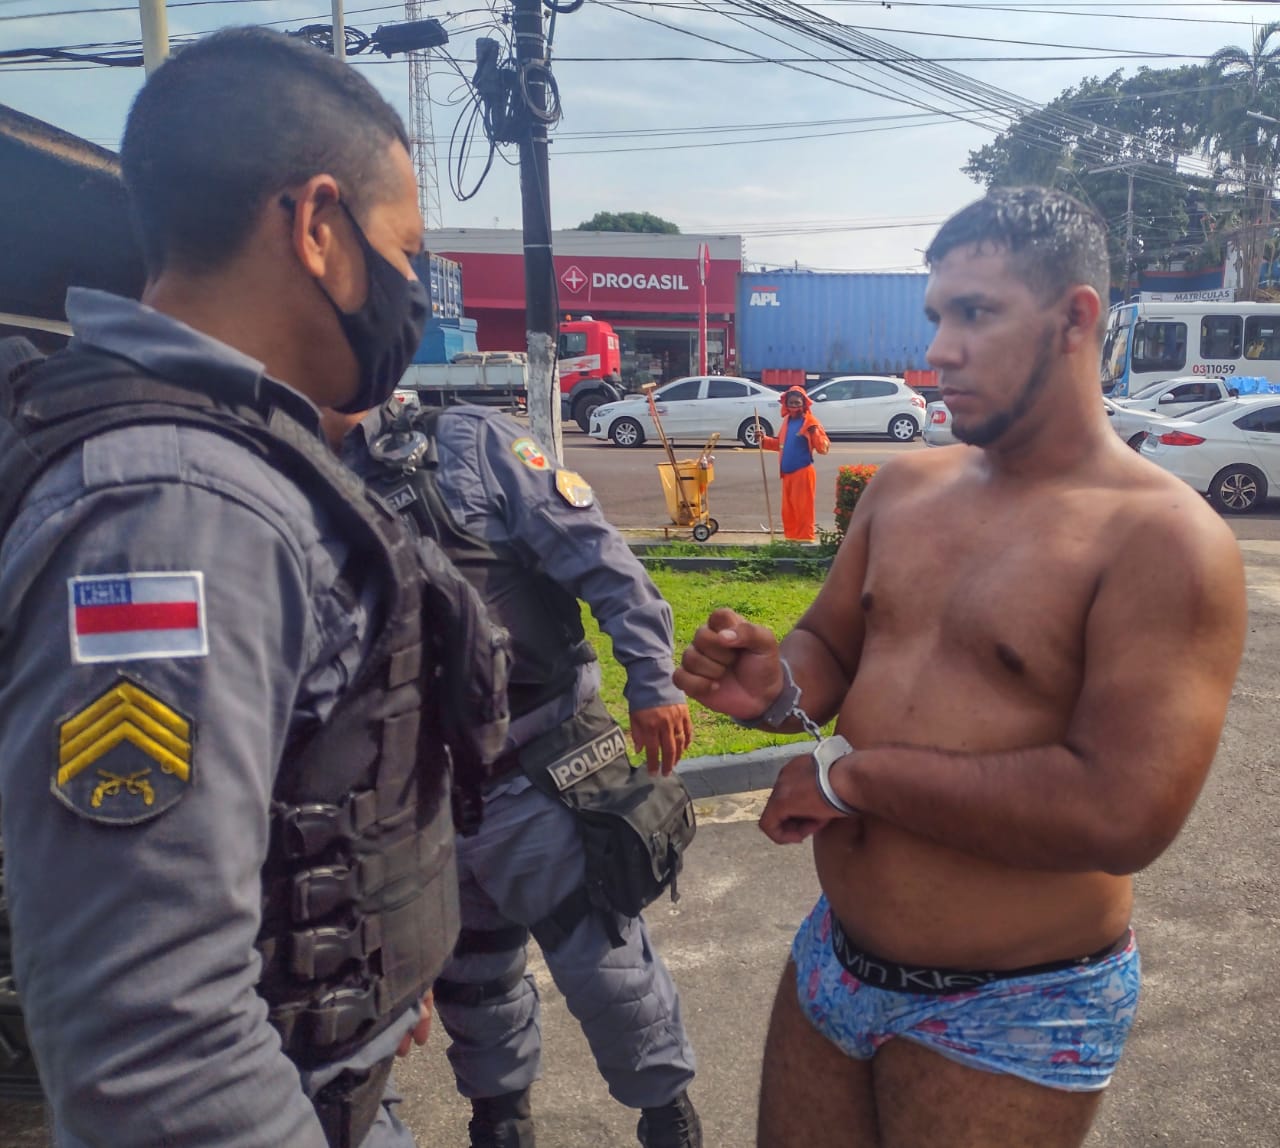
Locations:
{"points": [[831, 324], [442, 279], [442, 339]]}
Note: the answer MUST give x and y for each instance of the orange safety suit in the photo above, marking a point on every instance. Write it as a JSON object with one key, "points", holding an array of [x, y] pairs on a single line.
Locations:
{"points": [[799, 482]]}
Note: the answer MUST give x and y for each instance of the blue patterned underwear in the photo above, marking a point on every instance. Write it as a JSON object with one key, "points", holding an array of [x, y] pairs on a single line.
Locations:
{"points": [[1063, 1029]]}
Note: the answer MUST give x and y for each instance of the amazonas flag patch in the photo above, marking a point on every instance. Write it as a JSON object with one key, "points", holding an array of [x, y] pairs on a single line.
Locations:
{"points": [[126, 617]]}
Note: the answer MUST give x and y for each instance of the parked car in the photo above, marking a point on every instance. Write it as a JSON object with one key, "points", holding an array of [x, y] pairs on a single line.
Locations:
{"points": [[1170, 398], [1129, 425], [937, 425], [691, 409], [1229, 451], [868, 404]]}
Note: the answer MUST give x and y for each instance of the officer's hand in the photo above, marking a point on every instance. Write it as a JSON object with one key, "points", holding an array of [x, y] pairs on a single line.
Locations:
{"points": [[731, 666], [420, 1031], [796, 808], [664, 733]]}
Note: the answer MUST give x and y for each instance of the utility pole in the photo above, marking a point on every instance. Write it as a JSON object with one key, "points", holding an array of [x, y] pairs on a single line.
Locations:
{"points": [[155, 33], [542, 320], [1128, 238], [339, 31], [1128, 168]]}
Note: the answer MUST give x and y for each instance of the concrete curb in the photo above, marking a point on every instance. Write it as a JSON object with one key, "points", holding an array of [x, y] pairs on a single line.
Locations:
{"points": [[723, 774]]}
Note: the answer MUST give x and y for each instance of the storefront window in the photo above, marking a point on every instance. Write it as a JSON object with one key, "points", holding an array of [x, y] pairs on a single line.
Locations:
{"points": [[659, 355]]}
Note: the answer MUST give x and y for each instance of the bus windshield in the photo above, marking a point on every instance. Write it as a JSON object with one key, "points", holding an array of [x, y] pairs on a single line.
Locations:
{"points": [[1159, 345]]}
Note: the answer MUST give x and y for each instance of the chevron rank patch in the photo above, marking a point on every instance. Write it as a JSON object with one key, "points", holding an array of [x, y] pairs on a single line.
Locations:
{"points": [[125, 757], [574, 489]]}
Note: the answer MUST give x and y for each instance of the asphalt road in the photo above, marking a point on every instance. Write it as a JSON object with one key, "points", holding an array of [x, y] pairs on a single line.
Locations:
{"points": [[626, 482]]}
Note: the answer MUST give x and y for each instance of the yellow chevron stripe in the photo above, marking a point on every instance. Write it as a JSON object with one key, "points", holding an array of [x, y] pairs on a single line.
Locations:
{"points": [[129, 693], [126, 712], [119, 714], [130, 733]]}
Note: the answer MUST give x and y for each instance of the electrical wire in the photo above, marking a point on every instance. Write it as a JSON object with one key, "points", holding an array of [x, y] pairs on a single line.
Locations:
{"points": [[124, 8]]}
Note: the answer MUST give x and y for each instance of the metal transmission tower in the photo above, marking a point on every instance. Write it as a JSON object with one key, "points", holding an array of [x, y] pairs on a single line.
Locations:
{"points": [[421, 131]]}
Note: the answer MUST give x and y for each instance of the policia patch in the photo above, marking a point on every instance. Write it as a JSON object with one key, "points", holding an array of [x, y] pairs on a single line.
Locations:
{"points": [[125, 757]]}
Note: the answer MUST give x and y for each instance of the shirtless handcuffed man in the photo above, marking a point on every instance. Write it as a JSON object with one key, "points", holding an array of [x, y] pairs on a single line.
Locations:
{"points": [[1031, 641]]}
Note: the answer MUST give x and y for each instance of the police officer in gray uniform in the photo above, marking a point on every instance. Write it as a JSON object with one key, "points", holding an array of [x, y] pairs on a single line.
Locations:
{"points": [[228, 856], [533, 541]]}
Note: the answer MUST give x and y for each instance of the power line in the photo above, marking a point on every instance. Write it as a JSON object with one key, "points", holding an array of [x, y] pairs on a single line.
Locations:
{"points": [[125, 8], [1038, 9]]}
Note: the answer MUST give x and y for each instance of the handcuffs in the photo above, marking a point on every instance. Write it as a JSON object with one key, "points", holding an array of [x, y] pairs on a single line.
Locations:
{"points": [[826, 753]]}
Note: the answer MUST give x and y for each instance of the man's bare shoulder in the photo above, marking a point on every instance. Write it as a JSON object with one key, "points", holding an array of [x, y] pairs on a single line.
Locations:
{"points": [[1159, 521], [909, 470]]}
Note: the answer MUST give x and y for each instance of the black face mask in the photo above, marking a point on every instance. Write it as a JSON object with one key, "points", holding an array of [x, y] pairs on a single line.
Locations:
{"points": [[386, 330]]}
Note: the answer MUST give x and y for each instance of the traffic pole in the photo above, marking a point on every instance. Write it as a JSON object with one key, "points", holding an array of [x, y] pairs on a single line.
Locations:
{"points": [[155, 33], [542, 321], [704, 259]]}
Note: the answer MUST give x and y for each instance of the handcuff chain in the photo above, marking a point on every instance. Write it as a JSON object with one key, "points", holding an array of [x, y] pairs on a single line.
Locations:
{"points": [[810, 726]]}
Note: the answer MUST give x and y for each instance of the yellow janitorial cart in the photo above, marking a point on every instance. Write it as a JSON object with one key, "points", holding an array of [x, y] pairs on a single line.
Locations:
{"points": [[685, 481]]}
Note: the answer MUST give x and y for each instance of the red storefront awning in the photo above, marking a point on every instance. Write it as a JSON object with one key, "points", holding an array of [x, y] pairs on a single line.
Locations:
{"points": [[602, 283]]}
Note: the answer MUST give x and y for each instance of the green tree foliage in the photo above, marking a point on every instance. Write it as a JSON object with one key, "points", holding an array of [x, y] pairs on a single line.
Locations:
{"points": [[1246, 149], [642, 221], [1148, 120]]}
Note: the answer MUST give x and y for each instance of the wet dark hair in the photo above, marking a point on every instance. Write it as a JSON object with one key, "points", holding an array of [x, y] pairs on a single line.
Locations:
{"points": [[231, 121], [1054, 241]]}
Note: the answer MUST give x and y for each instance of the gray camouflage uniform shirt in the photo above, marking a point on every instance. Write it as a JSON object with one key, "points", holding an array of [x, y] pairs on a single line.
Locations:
{"points": [[134, 929]]}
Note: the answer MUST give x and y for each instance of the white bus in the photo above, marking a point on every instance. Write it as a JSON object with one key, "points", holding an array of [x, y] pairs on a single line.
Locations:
{"points": [[1148, 342]]}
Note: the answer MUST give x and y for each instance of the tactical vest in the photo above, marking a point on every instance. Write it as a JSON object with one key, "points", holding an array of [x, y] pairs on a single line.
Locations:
{"points": [[359, 908], [548, 642]]}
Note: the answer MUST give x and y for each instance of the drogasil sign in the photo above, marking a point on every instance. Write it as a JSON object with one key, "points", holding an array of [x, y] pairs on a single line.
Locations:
{"points": [[576, 280]]}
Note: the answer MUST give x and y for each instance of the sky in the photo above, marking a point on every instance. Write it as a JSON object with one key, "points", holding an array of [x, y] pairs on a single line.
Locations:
{"points": [[700, 111]]}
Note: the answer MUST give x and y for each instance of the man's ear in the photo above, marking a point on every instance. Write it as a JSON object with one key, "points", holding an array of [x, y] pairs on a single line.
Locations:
{"points": [[311, 234], [1083, 309]]}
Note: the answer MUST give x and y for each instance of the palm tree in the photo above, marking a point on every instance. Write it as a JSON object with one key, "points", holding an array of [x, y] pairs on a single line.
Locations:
{"points": [[1247, 148]]}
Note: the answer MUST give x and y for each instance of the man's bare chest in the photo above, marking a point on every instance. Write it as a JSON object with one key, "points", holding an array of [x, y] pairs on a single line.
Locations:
{"points": [[1006, 590]]}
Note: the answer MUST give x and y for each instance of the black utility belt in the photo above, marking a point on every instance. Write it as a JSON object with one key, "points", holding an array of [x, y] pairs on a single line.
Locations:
{"points": [[879, 973], [567, 753]]}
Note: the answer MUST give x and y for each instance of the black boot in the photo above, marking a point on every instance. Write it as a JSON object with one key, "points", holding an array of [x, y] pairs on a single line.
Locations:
{"points": [[674, 1125], [502, 1121]]}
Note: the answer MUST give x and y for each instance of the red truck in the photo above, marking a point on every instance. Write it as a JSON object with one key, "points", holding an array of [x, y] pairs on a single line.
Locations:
{"points": [[590, 361]]}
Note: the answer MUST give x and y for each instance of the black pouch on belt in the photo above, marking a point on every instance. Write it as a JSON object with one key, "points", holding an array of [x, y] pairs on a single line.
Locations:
{"points": [[348, 1105], [634, 827]]}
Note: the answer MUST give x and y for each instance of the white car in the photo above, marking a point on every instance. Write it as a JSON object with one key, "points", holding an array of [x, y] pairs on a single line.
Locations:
{"points": [[1132, 424], [1229, 451], [865, 405], [868, 404], [1169, 398], [691, 410]]}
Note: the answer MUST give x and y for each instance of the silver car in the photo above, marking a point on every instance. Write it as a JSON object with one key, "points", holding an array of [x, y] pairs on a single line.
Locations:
{"points": [[937, 425]]}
